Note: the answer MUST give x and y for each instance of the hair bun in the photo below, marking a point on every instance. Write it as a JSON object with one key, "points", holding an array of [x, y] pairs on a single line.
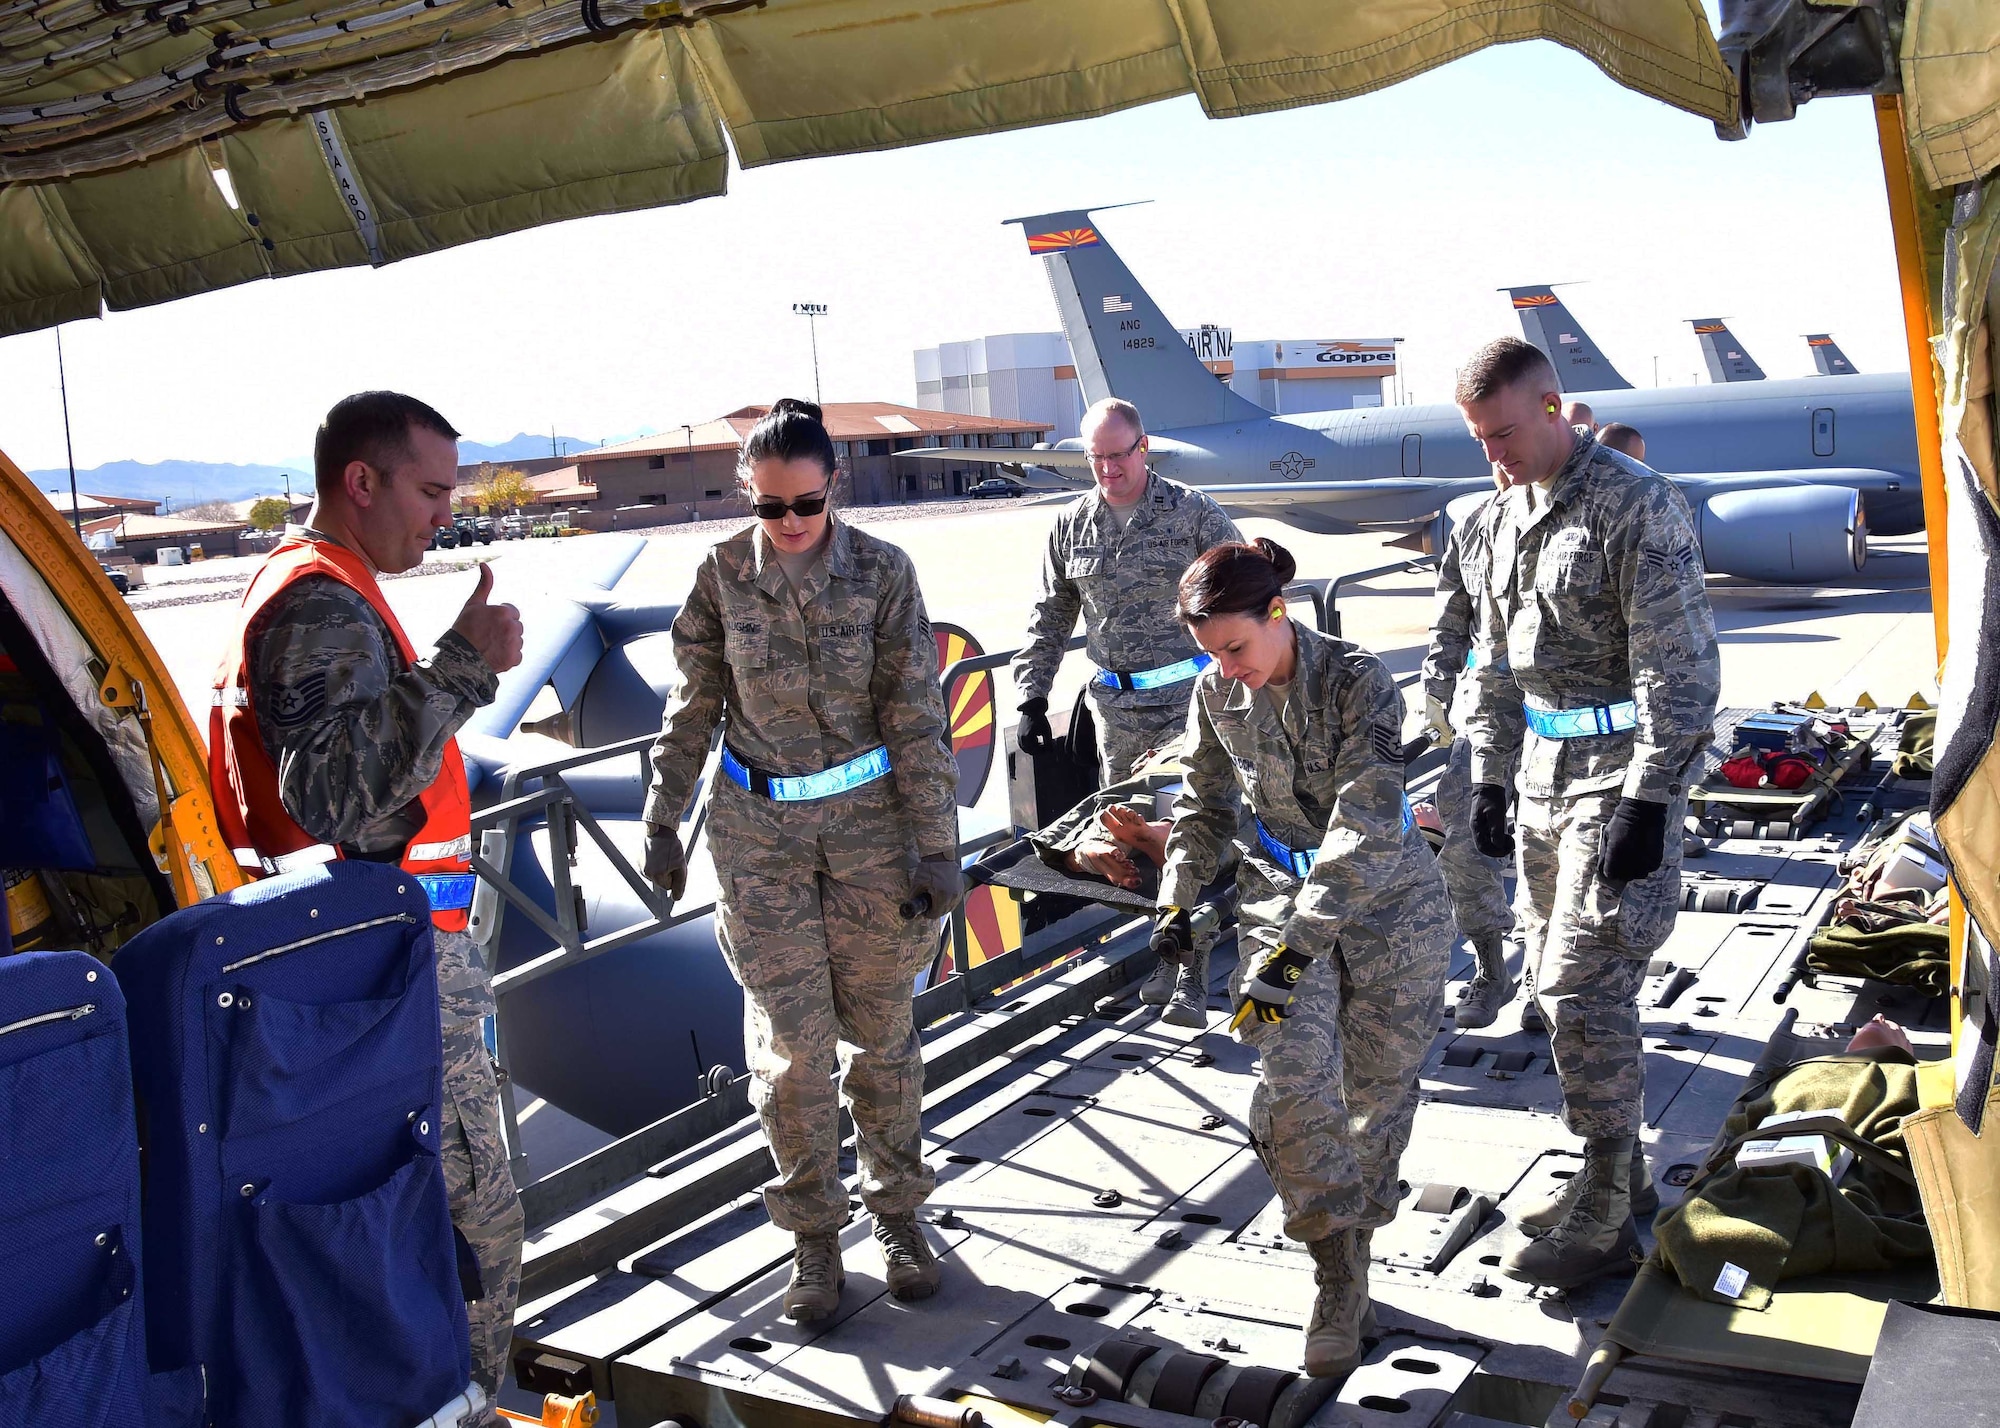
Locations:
{"points": [[1280, 558], [798, 406]]}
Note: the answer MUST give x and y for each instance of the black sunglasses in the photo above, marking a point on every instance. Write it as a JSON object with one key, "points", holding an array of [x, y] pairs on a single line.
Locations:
{"points": [[770, 508]]}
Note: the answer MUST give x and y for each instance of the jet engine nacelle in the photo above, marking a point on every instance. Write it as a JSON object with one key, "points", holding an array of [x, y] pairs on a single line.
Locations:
{"points": [[1792, 535], [1438, 532]]}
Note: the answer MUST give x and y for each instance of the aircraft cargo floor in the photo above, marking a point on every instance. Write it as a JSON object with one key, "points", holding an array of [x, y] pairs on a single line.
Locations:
{"points": [[1095, 1180]]}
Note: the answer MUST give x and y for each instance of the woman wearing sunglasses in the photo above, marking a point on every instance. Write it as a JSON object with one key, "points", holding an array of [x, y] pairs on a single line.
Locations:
{"points": [[834, 805], [1344, 928]]}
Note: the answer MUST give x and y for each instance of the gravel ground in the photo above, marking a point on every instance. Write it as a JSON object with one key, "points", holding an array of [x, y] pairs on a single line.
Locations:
{"points": [[230, 587], [167, 587]]}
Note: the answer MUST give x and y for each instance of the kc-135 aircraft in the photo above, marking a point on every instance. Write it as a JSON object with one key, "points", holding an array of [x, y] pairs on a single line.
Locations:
{"points": [[1728, 359], [1828, 357], [1786, 477]]}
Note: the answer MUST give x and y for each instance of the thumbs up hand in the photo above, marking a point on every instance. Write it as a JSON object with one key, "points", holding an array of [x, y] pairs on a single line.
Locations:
{"points": [[494, 630]]}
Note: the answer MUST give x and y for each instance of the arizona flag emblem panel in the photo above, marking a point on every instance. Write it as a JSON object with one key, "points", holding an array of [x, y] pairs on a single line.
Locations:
{"points": [[1063, 239]]}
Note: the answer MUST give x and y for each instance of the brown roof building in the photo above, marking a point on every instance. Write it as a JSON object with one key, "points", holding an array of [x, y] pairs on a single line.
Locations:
{"points": [[90, 507], [695, 465], [471, 473], [141, 536]]}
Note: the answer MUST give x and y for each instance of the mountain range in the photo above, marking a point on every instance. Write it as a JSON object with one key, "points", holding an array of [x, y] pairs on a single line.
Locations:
{"points": [[185, 483]]}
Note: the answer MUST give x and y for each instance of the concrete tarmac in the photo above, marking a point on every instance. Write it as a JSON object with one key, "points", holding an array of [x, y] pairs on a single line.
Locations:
{"points": [[980, 563]]}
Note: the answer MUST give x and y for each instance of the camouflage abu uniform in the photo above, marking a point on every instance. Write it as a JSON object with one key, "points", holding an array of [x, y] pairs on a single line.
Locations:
{"points": [[1596, 593], [1337, 1089], [1123, 583], [355, 739], [809, 891], [1477, 883]]}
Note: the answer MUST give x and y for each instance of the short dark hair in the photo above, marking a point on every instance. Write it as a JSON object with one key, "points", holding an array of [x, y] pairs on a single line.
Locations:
{"points": [[1235, 578], [1499, 365], [373, 427], [792, 430], [1619, 437]]}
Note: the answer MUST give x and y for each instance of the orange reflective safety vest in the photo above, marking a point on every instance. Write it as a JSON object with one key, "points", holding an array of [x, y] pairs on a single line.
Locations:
{"points": [[244, 781]]}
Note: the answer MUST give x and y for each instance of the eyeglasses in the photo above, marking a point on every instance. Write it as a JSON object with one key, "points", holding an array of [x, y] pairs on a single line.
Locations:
{"points": [[1105, 458], [770, 508]]}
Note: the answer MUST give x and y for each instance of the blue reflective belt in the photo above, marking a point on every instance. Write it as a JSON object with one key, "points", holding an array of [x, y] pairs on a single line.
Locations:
{"points": [[448, 892], [1159, 678], [1300, 860], [1582, 723], [804, 788]]}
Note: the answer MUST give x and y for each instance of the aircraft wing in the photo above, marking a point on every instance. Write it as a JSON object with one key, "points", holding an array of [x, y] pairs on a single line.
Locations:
{"points": [[1859, 478], [1019, 462], [1316, 493], [1337, 506], [1052, 457]]}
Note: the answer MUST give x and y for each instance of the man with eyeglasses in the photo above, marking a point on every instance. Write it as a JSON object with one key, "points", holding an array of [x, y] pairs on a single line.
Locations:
{"points": [[1115, 558]]}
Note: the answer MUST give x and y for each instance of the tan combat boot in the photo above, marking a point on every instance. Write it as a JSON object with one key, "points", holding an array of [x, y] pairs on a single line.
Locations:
{"points": [[1189, 1006], [817, 1278], [1342, 1315], [913, 1269], [1540, 1219], [1597, 1236], [1490, 988]]}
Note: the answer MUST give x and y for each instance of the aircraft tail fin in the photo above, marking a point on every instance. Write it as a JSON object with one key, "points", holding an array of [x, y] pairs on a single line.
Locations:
{"points": [[1122, 343], [1727, 361], [1580, 364], [1828, 357]]}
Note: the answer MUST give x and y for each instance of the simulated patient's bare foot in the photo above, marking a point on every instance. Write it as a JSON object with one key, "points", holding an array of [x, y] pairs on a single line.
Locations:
{"points": [[1135, 833], [1099, 857]]}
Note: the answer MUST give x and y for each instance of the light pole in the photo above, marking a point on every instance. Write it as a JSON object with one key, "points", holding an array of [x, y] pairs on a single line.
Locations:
{"points": [[692, 484], [62, 381], [812, 312]]}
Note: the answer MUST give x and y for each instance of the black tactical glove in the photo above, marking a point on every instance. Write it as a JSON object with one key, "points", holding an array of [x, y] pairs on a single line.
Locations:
{"points": [[1034, 736], [936, 887], [1489, 821], [1173, 935], [666, 863], [1267, 996], [1635, 841]]}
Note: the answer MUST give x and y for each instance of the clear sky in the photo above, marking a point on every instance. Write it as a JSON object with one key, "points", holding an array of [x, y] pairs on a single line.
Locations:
{"points": [[1394, 214]]}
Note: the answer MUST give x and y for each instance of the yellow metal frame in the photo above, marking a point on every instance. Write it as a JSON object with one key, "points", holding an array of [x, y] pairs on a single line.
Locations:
{"points": [[186, 842], [1919, 323]]}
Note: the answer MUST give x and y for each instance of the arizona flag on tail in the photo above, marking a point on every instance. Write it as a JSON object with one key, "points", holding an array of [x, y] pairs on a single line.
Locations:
{"points": [[1063, 240], [1580, 365], [1122, 343], [1726, 358], [1828, 357]]}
